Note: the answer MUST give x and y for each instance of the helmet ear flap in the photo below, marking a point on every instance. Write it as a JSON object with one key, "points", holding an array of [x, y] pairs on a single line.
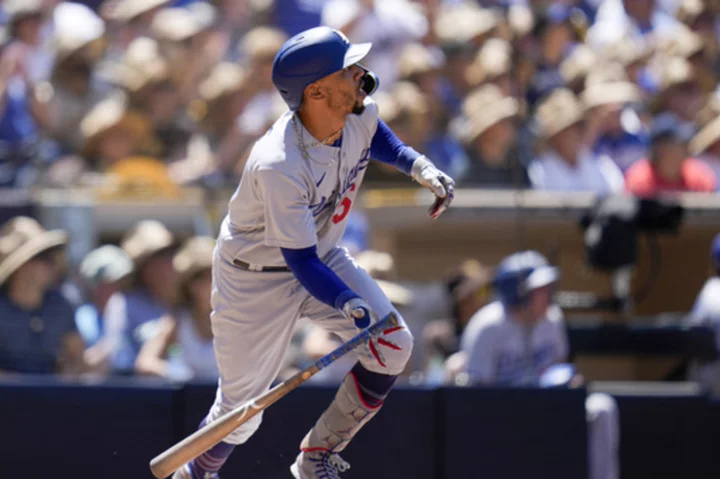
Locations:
{"points": [[370, 81]]}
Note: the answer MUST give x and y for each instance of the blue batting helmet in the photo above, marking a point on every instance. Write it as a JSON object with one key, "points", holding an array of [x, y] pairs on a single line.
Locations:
{"points": [[312, 55], [520, 273], [715, 251]]}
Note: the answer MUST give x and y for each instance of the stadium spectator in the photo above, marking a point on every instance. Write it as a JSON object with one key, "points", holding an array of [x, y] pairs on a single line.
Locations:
{"points": [[460, 30], [182, 347], [566, 164], [37, 326], [422, 65], [112, 132], [153, 99], [128, 20], [406, 110], [518, 338], [576, 66], [104, 272], [468, 287], [669, 167], [615, 129], [705, 145], [555, 32], [184, 40], [490, 133], [73, 87], [257, 52], [617, 19], [634, 55], [679, 90], [133, 317], [19, 110], [224, 97], [692, 47], [493, 64]]}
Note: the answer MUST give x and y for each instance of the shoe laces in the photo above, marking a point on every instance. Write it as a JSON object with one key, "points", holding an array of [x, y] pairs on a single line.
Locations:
{"points": [[329, 466]]}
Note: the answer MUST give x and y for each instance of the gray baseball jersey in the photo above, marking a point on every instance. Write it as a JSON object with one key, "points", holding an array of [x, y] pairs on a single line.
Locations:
{"points": [[504, 352], [501, 350], [285, 201]]}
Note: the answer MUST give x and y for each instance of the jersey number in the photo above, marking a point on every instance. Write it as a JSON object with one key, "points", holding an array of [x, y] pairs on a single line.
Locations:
{"points": [[345, 206]]}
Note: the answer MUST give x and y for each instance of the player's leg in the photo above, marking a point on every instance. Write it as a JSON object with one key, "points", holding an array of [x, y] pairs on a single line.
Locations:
{"points": [[604, 436], [365, 387], [253, 318]]}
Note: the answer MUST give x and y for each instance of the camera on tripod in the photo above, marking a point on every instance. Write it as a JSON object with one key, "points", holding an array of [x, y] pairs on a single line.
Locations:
{"points": [[612, 228]]}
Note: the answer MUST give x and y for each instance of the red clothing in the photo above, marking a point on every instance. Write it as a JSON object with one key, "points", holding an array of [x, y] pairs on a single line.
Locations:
{"points": [[643, 180]]}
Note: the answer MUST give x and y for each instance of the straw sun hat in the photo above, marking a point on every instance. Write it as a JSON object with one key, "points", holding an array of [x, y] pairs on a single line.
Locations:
{"points": [[557, 112], [21, 239], [194, 256], [485, 107], [145, 239], [112, 112]]}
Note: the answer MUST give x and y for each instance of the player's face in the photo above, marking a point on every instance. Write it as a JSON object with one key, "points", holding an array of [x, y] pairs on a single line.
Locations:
{"points": [[540, 299], [343, 92]]}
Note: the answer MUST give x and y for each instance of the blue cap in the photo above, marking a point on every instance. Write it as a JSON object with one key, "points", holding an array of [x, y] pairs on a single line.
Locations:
{"points": [[520, 273], [309, 56]]}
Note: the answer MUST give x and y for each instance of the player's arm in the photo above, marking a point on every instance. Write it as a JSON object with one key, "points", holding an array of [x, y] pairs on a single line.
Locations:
{"points": [[152, 358], [290, 226], [388, 148], [323, 283]]}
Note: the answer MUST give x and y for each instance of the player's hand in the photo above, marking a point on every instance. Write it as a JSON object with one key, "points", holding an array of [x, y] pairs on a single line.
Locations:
{"points": [[428, 175], [360, 313], [363, 316]]}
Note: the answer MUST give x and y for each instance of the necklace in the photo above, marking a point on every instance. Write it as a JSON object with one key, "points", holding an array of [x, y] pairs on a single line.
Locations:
{"points": [[335, 195], [329, 140]]}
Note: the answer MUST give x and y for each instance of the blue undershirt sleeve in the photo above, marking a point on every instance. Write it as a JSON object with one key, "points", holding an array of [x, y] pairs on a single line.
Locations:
{"points": [[388, 148], [317, 277]]}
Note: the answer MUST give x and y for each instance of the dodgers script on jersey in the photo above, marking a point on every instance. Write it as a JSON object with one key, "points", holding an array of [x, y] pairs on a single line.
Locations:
{"points": [[286, 201], [502, 351]]}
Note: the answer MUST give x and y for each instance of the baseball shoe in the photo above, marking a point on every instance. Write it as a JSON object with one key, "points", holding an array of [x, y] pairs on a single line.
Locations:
{"points": [[185, 473], [318, 465]]}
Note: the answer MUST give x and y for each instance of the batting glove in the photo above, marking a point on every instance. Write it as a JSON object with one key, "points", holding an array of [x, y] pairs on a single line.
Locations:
{"points": [[360, 312], [426, 173], [363, 316]]}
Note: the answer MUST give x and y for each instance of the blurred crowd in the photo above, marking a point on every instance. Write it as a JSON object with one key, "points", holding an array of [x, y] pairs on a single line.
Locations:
{"points": [[566, 95], [142, 307]]}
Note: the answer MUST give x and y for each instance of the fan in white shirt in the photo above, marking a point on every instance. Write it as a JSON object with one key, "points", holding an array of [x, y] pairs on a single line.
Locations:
{"points": [[566, 164]]}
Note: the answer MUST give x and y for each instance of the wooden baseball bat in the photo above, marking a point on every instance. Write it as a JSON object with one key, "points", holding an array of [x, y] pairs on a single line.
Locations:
{"points": [[205, 438]]}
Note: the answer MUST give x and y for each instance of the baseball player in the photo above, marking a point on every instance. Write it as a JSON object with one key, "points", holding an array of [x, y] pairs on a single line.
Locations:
{"points": [[277, 256], [706, 312], [521, 340]]}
